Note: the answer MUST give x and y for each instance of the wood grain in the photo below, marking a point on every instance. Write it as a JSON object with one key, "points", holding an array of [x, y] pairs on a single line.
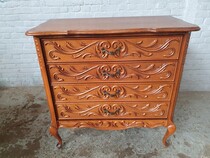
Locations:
{"points": [[112, 73], [112, 124], [112, 110], [112, 49], [117, 25], [110, 92]]}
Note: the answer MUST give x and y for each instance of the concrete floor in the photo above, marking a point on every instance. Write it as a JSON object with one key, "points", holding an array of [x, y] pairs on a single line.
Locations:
{"points": [[24, 122]]}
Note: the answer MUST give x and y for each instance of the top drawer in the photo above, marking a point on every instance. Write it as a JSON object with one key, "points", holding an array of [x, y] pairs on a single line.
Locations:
{"points": [[112, 49]]}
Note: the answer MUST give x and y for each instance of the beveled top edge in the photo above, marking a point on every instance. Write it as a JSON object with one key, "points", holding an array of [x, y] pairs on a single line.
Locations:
{"points": [[112, 25]]}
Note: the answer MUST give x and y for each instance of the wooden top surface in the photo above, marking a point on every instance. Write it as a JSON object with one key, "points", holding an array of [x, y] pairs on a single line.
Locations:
{"points": [[113, 25]]}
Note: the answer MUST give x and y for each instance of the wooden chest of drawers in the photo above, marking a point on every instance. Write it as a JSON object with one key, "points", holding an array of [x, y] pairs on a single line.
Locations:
{"points": [[112, 73]]}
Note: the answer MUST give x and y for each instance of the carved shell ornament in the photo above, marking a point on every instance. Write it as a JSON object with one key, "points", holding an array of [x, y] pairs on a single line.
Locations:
{"points": [[115, 71], [116, 48]]}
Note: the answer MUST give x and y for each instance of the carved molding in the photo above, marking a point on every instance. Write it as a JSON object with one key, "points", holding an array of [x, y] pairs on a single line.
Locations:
{"points": [[116, 71], [117, 92], [112, 110], [115, 48], [113, 124], [37, 45]]}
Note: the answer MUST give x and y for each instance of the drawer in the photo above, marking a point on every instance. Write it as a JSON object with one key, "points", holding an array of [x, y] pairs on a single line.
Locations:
{"points": [[112, 72], [109, 49], [112, 110], [112, 92], [114, 124]]}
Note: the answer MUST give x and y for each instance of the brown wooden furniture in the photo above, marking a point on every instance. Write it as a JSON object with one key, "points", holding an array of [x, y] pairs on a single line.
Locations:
{"points": [[112, 73]]}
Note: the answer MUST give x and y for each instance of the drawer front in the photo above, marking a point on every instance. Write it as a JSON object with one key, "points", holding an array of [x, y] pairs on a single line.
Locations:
{"points": [[112, 110], [109, 49], [112, 92], [114, 72]]}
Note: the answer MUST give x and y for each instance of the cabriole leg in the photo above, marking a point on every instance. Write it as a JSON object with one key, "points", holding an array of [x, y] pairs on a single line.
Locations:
{"points": [[171, 128], [54, 132]]}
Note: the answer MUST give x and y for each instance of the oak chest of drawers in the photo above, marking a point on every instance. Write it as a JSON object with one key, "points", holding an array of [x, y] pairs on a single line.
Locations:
{"points": [[112, 73]]}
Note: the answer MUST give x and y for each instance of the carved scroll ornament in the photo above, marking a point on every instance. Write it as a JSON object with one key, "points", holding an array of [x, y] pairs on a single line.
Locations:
{"points": [[114, 124], [106, 92], [113, 110], [116, 48], [114, 71]]}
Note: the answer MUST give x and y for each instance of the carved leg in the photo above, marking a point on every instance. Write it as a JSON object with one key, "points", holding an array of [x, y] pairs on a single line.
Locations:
{"points": [[171, 128], [54, 132]]}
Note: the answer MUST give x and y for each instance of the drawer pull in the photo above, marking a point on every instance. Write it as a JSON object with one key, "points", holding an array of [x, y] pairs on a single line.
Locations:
{"points": [[115, 52], [105, 93], [112, 113], [117, 74]]}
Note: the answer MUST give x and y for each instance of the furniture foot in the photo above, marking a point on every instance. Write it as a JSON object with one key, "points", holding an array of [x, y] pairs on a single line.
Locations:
{"points": [[171, 128], [54, 132]]}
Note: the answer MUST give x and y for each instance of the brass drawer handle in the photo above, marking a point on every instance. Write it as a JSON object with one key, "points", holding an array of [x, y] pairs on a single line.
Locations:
{"points": [[112, 113], [117, 74], [111, 95], [115, 52]]}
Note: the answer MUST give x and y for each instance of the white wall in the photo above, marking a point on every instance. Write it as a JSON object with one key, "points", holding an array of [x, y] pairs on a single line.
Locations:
{"points": [[18, 60]]}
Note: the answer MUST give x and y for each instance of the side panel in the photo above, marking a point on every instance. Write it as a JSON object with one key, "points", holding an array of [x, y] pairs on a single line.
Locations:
{"points": [[46, 81], [178, 77]]}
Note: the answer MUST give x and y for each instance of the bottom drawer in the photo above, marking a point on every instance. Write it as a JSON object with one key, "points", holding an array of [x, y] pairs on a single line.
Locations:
{"points": [[117, 124], [112, 110]]}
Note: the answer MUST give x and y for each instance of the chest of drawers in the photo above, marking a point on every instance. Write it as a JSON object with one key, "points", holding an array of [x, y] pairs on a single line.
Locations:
{"points": [[112, 73]]}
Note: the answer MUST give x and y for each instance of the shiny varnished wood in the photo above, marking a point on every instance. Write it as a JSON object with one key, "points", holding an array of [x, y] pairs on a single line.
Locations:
{"points": [[129, 48], [112, 124], [171, 128], [112, 73], [110, 92], [118, 25], [112, 110]]}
